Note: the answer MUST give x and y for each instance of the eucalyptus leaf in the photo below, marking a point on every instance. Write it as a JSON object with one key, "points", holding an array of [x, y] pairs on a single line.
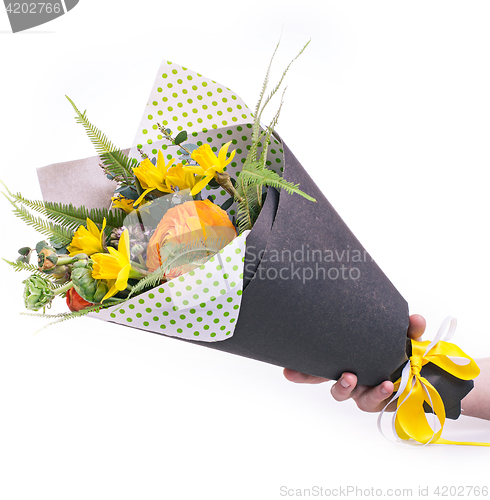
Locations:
{"points": [[181, 137], [227, 204]]}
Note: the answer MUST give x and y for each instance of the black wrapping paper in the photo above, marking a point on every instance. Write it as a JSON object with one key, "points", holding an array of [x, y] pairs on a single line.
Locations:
{"points": [[353, 320]]}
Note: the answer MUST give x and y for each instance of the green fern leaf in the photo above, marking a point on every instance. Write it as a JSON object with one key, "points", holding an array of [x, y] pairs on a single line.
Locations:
{"points": [[252, 174], [23, 266], [72, 217], [115, 161], [61, 317], [59, 235]]}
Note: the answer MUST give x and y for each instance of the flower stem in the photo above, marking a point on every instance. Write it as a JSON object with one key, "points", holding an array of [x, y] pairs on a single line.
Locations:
{"points": [[169, 137], [224, 180], [64, 288]]}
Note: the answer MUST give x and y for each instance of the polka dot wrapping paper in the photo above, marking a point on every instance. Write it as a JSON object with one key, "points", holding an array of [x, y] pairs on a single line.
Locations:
{"points": [[201, 305], [210, 112]]}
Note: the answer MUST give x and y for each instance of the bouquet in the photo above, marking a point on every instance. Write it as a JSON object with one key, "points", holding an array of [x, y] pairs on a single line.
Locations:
{"points": [[209, 230]]}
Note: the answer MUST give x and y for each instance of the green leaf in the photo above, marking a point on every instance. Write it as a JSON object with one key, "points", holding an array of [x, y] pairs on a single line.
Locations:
{"points": [[22, 266], [116, 163], [252, 174], [181, 137], [227, 204], [69, 216]]}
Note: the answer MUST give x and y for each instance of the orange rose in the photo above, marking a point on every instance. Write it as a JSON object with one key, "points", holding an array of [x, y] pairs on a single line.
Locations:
{"points": [[193, 220]]}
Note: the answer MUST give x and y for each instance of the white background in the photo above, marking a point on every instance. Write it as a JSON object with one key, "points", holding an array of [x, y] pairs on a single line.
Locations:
{"points": [[389, 109]]}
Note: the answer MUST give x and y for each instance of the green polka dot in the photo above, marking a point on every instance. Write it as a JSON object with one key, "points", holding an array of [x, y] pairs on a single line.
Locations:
{"points": [[202, 304], [209, 275], [235, 268], [182, 316], [196, 334], [185, 302], [239, 292], [222, 291], [179, 330], [129, 320], [238, 250], [172, 321], [175, 308], [168, 299], [145, 323], [233, 284], [212, 334], [189, 325], [220, 306], [195, 296], [229, 299], [171, 285], [209, 313], [192, 311], [216, 320], [113, 315], [178, 294], [181, 278], [122, 311], [165, 313], [163, 327], [205, 290], [226, 276], [199, 319], [228, 259], [148, 310], [131, 306], [206, 327], [155, 318], [158, 304], [219, 267], [225, 314], [215, 283]]}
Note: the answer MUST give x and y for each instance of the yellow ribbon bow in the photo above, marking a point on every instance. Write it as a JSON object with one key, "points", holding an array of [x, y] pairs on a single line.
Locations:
{"points": [[410, 420]]}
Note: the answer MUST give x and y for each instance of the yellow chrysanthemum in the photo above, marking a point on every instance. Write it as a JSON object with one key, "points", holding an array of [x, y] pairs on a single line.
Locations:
{"points": [[115, 266], [209, 164], [153, 177], [87, 240]]}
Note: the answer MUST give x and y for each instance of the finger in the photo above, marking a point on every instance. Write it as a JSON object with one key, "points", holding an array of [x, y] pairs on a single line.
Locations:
{"points": [[342, 389], [416, 326], [302, 378], [375, 399]]}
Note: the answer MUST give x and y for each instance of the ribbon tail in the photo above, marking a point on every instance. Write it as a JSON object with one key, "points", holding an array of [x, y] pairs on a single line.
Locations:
{"points": [[463, 443]]}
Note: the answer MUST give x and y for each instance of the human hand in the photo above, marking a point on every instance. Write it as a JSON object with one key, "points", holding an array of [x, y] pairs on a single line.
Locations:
{"points": [[367, 398]]}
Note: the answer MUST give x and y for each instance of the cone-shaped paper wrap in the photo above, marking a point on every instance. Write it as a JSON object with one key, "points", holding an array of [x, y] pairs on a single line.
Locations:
{"points": [[298, 290]]}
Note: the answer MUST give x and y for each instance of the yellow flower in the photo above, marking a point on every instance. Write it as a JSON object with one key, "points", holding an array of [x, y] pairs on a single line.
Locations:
{"points": [[115, 266], [87, 241], [177, 176], [153, 177], [123, 203], [209, 164]]}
